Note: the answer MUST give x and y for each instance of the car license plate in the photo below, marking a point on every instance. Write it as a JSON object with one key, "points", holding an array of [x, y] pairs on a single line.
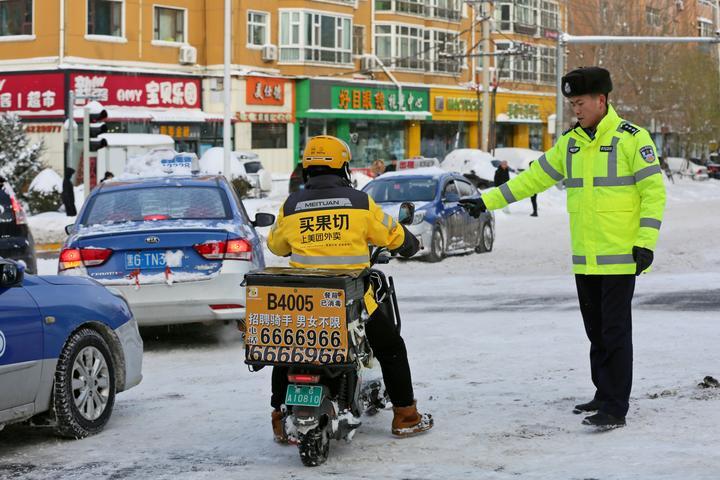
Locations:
{"points": [[304, 395], [145, 261]]}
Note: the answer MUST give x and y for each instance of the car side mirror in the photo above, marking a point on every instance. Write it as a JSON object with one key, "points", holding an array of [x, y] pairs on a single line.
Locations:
{"points": [[263, 219], [407, 213], [11, 275], [69, 228]]}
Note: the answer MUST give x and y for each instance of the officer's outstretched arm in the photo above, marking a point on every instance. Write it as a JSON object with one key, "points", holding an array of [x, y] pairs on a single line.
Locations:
{"points": [[651, 186], [277, 239], [385, 231], [542, 174]]}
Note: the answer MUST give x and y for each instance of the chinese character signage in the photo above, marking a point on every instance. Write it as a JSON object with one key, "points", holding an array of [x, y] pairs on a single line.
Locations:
{"points": [[138, 91], [379, 99], [37, 93], [523, 111], [265, 91], [265, 117], [457, 104]]}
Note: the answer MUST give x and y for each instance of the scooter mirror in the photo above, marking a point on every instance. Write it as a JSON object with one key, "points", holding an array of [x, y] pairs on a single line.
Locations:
{"points": [[407, 213]]}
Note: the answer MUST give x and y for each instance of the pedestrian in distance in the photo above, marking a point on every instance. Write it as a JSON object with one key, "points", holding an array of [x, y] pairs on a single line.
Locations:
{"points": [[533, 198], [616, 199], [108, 175], [68, 194]]}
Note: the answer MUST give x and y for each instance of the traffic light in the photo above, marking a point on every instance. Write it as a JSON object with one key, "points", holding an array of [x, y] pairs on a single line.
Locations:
{"points": [[97, 128]]}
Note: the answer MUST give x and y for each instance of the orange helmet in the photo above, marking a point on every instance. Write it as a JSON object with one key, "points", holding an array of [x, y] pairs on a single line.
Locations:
{"points": [[326, 151]]}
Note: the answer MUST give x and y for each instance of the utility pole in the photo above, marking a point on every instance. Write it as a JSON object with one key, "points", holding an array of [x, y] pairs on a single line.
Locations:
{"points": [[227, 92], [487, 14]]}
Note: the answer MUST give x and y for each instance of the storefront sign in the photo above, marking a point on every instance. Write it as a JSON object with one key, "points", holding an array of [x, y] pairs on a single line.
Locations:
{"points": [[383, 99], [36, 128], [265, 91], [523, 111], [36, 92], [457, 104], [138, 90], [178, 131], [265, 117]]}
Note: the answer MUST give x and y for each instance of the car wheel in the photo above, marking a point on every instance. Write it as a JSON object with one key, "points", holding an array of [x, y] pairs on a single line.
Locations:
{"points": [[84, 391], [486, 240], [437, 246]]}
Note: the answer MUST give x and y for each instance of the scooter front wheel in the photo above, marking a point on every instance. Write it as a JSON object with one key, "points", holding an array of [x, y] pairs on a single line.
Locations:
{"points": [[314, 446]]}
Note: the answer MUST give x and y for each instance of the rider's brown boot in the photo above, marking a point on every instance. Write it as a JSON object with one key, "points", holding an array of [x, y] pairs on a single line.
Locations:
{"points": [[279, 435], [407, 421]]}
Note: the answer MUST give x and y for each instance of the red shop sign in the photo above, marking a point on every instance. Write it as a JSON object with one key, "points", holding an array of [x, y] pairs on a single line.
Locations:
{"points": [[35, 92], [138, 90], [265, 91]]}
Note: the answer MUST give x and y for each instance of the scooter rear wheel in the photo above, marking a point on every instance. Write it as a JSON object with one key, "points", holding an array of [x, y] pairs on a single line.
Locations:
{"points": [[314, 446]]}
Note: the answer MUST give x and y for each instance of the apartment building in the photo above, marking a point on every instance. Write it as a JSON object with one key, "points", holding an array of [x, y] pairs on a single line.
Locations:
{"points": [[392, 77]]}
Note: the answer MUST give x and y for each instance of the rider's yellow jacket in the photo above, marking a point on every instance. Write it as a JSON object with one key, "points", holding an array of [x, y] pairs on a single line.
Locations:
{"points": [[615, 192], [330, 224]]}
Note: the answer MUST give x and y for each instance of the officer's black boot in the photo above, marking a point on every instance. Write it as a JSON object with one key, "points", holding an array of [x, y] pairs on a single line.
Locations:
{"points": [[591, 406], [604, 421]]}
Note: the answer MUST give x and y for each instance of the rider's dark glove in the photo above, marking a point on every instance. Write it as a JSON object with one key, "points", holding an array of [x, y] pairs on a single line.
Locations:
{"points": [[410, 245], [643, 259], [474, 206]]}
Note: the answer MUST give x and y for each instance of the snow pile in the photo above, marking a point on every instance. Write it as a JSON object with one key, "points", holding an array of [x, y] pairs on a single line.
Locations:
{"points": [[46, 181], [49, 227], [213, 161], [151, 165]]}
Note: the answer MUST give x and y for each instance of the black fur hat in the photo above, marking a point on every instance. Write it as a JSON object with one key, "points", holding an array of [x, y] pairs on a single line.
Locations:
{"points": [[586, 80]]}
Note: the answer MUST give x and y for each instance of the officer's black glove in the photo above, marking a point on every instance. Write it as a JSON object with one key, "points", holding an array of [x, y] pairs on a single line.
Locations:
{"points": [[410, 245], [474, 206], [643, 259]]}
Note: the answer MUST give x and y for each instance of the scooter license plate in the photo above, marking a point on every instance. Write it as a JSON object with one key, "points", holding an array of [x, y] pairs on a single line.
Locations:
{"points": [[304, 395]]}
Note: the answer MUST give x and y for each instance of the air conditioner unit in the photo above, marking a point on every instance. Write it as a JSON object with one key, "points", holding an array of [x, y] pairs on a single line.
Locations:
{"points": [[367, 63], [269, 53], [188, 55]]}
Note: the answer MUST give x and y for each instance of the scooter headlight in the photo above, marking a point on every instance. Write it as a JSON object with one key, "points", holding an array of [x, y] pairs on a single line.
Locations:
{"points": [[419, 217]]}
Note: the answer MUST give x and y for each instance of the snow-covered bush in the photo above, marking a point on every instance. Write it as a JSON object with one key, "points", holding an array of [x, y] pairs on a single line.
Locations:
{"points": [[44, 193], [19, 159]]}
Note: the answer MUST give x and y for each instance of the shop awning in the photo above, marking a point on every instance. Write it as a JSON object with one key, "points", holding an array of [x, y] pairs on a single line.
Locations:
{"points": [[186, 115], [505, 118], [367, 114]]}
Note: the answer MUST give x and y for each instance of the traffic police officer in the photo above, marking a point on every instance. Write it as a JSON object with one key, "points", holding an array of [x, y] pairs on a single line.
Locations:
{"points": [[616, 199], [329, 225]]}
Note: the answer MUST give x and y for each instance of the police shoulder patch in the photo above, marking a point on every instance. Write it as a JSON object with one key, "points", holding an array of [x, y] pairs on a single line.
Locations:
{"points": [[647, 153], [627, 127]]}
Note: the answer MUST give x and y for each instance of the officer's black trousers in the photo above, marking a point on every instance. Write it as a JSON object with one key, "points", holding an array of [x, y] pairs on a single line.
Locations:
{"points": [[605, 303], [388, 347]]}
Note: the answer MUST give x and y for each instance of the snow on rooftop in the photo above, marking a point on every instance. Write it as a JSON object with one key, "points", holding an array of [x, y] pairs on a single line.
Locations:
{"points": [[137, 139]]}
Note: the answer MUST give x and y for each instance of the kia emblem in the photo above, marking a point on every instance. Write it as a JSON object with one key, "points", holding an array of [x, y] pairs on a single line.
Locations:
{"points": [[152, 239]]}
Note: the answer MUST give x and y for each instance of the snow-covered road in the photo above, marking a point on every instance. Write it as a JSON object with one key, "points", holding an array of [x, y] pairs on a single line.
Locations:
{"points": [[499, 357]]}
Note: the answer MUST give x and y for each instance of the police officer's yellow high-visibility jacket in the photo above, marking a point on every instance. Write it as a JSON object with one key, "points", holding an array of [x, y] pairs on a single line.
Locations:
{"points": [[330, 224], [615, 192]]}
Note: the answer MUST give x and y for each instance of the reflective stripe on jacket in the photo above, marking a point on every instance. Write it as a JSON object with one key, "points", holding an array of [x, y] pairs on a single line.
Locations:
{"points": [[615, 192], [330, 224]]}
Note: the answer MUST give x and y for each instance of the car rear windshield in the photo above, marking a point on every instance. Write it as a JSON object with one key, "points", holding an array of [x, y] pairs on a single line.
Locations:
{"points": [[403, 190], [253, 167], [158, 203]]}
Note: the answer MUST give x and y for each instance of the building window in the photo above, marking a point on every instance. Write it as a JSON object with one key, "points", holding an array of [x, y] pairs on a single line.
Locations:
{"points": [[269, 135], [383, 5], [443, 49], [415, 48], [258, 28], [358, 39], [705, 28], [315, 37], [439, 9], [408, 47], [169, 25], [383, 43], [525, 16], [105, 17], [524, 67], [503, 63], [546, 57], [446, 9], [16, 17], [549, 16], [653, 17], [416, 7], [503, 16]]}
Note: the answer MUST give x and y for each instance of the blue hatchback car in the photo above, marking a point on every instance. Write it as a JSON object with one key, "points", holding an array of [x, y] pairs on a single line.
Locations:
{"points": [[441, 224], [177, 247], [67, 346]]}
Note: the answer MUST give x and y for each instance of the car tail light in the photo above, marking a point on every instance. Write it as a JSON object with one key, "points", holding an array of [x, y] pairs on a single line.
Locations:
{"points": [[225, 306], [237, 249], [20, 218], [83, 257], [303, 378], [93, 257]]}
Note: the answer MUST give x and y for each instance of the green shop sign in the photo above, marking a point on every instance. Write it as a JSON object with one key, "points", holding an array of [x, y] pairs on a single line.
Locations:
{"points": [[523, 111], [379, 99]]}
